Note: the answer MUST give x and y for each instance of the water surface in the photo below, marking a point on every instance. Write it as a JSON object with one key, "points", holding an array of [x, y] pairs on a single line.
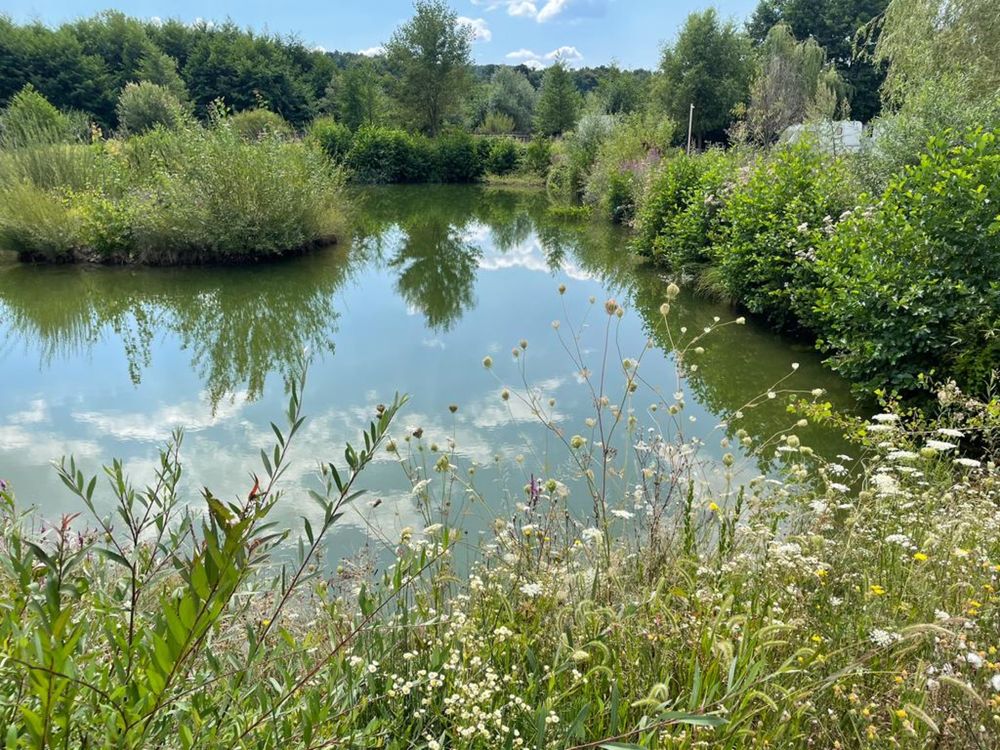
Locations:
{"points": [[107, 362]]}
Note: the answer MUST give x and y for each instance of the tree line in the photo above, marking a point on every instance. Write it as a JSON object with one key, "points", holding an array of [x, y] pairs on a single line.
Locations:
{"points": [[750, 75]]}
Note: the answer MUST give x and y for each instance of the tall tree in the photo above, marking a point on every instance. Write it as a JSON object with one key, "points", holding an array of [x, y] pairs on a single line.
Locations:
{"points": [[793, 82], [510, 94], [620, 91], [431, 57], [925, 41], [835, 25], [558, 103], [708, 66], [357, 95]]}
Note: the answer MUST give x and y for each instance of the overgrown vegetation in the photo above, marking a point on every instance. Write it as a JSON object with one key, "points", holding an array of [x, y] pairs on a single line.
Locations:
{"points": [[845, 599]]}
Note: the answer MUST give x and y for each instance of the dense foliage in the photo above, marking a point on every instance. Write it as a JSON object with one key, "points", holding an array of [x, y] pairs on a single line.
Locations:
{"points": [[187, 195]]}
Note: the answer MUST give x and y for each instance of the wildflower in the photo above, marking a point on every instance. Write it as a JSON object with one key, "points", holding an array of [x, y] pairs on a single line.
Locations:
{"points": [[673, 290], [969, 462], [728, 459], [901, 714], [713, 507], [523, 343], [995, 683], [839, 487], [531, 590], [920, 557], [664, 309], [624, 514], [876, 589], [487, 362], [883, 638], [505, 394], [886, 418], [940, 445], [562, 289], [577, 441], [555, 325], [949, 432], [974, 660], [792, 441], [741, 321], [591, 534], [610, 306]]}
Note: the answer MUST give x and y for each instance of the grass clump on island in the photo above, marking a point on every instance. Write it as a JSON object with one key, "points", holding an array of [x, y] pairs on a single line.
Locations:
{"points": [[182, 193], [843, 601]]}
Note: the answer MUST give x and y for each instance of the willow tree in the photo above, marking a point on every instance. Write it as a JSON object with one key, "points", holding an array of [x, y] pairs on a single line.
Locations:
{"points": [[794, 82], [952, 41]]}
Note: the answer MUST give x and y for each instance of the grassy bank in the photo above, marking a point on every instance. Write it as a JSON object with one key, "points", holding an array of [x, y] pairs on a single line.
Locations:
{"points": [[846, 601], [185, 195]]}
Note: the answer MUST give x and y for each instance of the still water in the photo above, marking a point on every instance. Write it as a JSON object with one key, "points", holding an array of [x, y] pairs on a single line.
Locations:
{"points": [[107, 362]]}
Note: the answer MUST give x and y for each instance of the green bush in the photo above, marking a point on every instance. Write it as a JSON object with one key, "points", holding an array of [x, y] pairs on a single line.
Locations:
{"points": [[171, 196], [333, 137], [770, 225], [254, 124], [457, 158], [29, 119], [504, 157], [387, 155], [538, 156], [623, 159], [680, 207], [144, 106], [910, 285]]}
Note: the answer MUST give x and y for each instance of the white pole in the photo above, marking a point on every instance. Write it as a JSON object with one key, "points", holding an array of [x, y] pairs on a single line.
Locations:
{"points": [[690, 123]]}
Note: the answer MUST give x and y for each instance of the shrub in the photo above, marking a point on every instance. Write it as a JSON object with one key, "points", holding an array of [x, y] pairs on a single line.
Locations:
{"points": [[37, 224], [622, 161], [29, 119], [231, 200], [171, 196], [254, 124], [909, 286], [680, 207], [457, 158], [380, 154], [538, 156], [144, 106], [497, 123], [504, 157], [770, 224], [333, 137]]}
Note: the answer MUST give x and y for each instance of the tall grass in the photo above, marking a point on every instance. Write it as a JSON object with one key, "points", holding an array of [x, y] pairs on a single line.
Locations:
{"points": [[168, 196]]}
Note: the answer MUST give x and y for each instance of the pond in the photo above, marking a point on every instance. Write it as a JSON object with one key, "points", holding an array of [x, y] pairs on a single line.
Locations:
{"points": [[107, 362]]}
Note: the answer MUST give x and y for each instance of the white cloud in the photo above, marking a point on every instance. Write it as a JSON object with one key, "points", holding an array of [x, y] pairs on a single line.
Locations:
{"points": [[565, 53], [551, 9], [480, 29], [522, 54], [372, 51], [156, 426]]}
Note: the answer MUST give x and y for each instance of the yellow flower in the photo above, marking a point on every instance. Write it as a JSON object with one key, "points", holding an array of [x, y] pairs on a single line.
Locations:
{"points": [[901, 714], [713, 507], [876, 589], [919, 557], [822, 573]]}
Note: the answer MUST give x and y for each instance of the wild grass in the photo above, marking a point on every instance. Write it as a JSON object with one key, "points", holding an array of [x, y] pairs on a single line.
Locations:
{"points": [[843, 601], [191, 195]]}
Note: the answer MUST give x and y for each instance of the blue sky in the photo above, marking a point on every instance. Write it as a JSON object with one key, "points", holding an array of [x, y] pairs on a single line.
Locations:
{"points": [[585, 32]]}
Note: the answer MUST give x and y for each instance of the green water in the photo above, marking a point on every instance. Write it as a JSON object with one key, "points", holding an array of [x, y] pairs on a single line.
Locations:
{"points": [[106, 362]]}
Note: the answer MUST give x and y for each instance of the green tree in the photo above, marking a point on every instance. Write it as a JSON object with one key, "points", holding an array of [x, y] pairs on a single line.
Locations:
{"points": [[160, 68], [708, 66], [357, 95], [620, 92], [558, 103], [953, 41], [430, 56], [835, 25], [511, 95]]}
